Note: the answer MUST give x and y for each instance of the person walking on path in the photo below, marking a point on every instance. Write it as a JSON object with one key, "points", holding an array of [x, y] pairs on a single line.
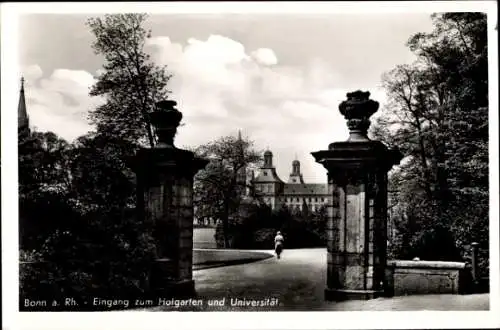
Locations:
{"points": [[278, 244]]}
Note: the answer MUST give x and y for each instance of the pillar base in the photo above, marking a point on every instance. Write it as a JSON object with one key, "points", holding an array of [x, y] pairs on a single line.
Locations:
{"points": [[175, 289], [165, 282], [341, 295]]}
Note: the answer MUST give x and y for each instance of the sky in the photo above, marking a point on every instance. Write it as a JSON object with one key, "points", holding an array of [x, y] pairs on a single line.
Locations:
{"points": [[278, 78]]}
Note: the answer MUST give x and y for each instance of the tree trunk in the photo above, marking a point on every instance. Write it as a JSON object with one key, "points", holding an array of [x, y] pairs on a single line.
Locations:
{"points": [[225, 230], [149, 130], [225, 224]]}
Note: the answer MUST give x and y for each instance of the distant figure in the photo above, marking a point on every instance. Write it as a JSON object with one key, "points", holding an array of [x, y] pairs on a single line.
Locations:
{"points": [[278, 244]]}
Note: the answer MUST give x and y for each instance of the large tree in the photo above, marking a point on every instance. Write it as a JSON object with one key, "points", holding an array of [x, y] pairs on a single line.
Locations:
{"points": [[220, 187], [130, 85], [43, 163], [101, 176], [44, 186], [130, 82], [438, 115]]}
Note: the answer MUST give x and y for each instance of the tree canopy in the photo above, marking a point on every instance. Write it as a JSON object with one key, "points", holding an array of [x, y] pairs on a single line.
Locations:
{"points": [[437, 114], [221, 186], [130, 82]]}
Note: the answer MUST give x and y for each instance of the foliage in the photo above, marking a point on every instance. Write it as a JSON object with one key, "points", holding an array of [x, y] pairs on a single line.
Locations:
{"points": [[101, 172], [44, 183], [220, 187], [43, 162], [86, 238], [131, 83], [100, 255], [437, 114]]}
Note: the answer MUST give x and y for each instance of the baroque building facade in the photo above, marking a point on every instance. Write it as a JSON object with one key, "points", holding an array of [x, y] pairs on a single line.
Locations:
{"points": [[294, 193], [271, 190]]}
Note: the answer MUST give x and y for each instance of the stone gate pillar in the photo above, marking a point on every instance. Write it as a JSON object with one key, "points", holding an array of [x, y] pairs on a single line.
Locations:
{"points": [[357, 213], [165, 199]]}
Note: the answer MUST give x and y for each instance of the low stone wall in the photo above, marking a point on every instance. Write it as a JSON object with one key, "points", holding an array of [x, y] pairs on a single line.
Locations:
{"points": [[424, 277]]}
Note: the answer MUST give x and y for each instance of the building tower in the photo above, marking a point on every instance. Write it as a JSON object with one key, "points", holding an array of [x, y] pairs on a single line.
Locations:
{"points": [[295, 176], [267, 184], [23, 125], [268, 159]]}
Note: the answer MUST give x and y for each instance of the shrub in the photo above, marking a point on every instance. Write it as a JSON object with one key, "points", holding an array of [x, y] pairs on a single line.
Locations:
{"points": [[111, 257], [264, 239], [258, 228]]}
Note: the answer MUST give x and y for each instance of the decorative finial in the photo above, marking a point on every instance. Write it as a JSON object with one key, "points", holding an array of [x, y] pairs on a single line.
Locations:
{"points": [[357, 109], [165, 119], [22, 83]]}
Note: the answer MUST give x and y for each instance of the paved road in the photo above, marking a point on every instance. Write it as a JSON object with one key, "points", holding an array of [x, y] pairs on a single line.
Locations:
{"points": [[298, 280]]}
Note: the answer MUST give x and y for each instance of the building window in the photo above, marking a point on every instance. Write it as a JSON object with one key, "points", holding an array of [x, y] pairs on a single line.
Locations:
{"points": [[316, 199], [265, 173]]}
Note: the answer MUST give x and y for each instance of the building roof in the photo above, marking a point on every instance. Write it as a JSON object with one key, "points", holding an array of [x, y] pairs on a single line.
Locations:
{"points": [[271, 176], [293, 178], [306, 189]]}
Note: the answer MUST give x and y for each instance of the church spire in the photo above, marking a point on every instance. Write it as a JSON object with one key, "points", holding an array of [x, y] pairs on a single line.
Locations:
{"points": [[22, 114]]}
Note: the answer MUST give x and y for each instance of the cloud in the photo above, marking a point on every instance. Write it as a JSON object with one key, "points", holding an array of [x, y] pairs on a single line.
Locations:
{"points": [[60, 102], [265, 56], [220, 87], [32, 72]]}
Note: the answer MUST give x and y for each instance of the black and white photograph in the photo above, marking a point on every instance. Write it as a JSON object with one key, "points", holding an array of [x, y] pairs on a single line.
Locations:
{"points": [[251, 157]]}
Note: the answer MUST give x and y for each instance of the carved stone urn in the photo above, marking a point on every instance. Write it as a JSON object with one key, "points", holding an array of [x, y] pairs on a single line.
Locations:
{"points": [[165, 120], [357, 109]]}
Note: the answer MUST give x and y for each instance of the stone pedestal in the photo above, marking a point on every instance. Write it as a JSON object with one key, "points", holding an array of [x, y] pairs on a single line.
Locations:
{"points": [[357, 216], [165, 198]]}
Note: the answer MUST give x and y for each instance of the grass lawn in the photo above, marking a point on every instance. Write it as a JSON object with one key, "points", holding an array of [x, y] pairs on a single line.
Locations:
{"points": [[204, 238], [214, 258]]}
